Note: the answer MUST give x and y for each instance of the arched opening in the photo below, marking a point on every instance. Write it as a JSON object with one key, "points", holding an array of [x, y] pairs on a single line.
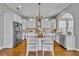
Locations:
{"points": [[66, 24]]}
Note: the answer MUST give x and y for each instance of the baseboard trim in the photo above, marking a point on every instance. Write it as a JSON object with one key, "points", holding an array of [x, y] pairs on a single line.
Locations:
{"points": [[1, 47], [77, 50], [71, 48]]}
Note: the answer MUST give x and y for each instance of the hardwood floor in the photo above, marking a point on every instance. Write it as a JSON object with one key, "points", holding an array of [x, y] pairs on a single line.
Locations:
{"points": [[60, 51], [20, 50]]}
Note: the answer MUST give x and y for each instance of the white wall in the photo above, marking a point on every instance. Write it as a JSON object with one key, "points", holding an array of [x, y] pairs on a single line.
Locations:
{"points": [[8, 30], [1, 30]]}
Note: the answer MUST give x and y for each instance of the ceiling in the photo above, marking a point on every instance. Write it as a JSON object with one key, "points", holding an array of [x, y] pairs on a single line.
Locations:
{"points": [[31, 9]]}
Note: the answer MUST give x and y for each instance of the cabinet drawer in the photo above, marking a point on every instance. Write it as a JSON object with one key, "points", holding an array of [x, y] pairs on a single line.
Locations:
{"points": [[47, 41], [47, 48], [31, 41], [49, 44], [31, 48], [31, 44]]}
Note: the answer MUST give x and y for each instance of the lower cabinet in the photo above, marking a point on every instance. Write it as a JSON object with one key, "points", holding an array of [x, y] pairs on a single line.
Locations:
{"points": [[47, 48], [70, 42], [77, 44], [62, 40], [39, 45], [32, 48], [48, 45], [32, 45], [67, 41]]}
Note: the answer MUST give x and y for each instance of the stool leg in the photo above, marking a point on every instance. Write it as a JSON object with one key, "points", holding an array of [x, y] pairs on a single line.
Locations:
{"points": [[52, 53], [27, 53], [43, 52], [53, 49], [36, 53]]}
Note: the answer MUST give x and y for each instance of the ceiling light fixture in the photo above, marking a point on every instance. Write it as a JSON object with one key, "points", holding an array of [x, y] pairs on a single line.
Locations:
{"points": [[39, 17], [19, 7]]}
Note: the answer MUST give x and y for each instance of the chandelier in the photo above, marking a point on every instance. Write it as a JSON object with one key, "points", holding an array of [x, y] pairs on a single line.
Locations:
{"points": [[39, 17]]}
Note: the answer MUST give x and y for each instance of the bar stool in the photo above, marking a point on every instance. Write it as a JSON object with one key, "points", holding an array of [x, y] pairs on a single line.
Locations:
{"points": [[31, 43], [48, 43]]}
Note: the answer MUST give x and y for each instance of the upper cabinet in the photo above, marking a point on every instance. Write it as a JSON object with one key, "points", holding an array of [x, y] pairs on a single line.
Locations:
{"points": [[46, 23], [53, 23], [17, 18], [31, 23]]}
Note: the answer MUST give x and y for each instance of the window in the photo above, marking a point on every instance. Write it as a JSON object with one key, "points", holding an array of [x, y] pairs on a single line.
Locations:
{"points": [[66, 24]]}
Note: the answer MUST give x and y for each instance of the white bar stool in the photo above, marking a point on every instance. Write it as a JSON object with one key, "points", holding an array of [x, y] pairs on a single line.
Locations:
{"points": [[31, 43]]}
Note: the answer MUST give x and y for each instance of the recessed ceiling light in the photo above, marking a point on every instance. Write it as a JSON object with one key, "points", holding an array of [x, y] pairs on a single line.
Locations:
{"points": [[46, 19], [19, 7], [59, 10], [30, 19]]}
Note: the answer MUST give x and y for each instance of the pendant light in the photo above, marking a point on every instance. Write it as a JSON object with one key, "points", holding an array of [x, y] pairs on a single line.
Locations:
{"points": [[39, 17]]}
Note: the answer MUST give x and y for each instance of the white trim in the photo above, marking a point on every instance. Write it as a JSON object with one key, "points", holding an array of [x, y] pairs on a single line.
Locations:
{"points": [[77, 50], [1, 47], [71, 48]]}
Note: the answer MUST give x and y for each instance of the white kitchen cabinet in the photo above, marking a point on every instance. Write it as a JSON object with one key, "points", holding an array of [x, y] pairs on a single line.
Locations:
{"points": [[77, 43], [31, 23], [46, 24], [23, 29], [62, 40], [70, 42], [67, 41], [57, 39], [48, 48], [53, 23], [24, 24]]}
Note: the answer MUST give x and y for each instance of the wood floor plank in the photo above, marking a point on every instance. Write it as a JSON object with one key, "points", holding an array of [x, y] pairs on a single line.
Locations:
{"points": [[20, 50]]}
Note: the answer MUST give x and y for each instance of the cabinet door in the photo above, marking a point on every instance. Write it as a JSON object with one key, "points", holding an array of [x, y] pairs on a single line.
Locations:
{"points": [[71, 42], [47, 48], [46, 24], [31, 23], [62, 40], [77, 43], [31, 41], [47, 41], [31, 48]]}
